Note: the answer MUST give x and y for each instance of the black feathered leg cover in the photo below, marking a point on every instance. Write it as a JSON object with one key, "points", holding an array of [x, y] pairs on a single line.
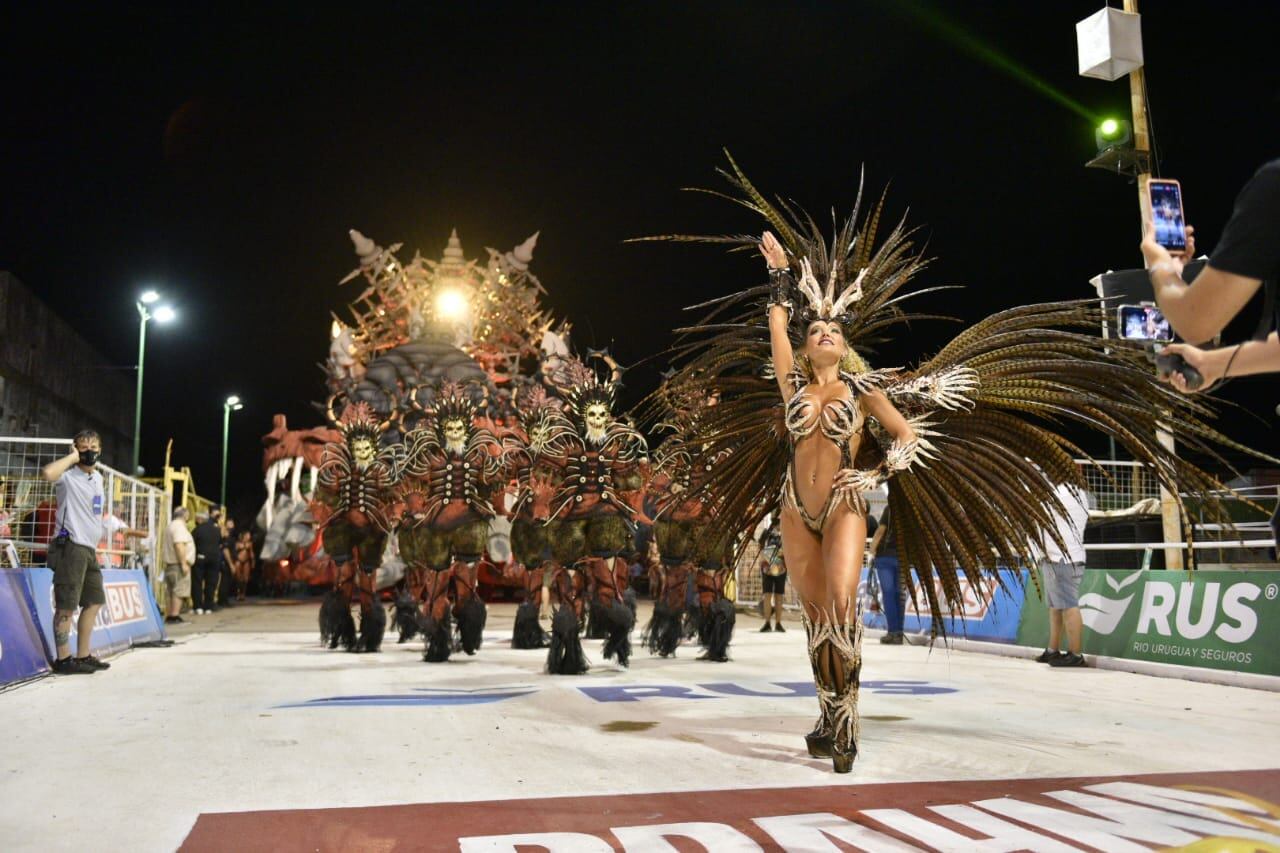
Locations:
{"points": [[434, 619], [337, 627], [469, 609], [527, 633], [373, 626], [565, 655]]}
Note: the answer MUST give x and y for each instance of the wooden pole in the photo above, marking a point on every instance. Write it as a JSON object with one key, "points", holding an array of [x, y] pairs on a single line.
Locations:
{"points": [[1171, 522]]}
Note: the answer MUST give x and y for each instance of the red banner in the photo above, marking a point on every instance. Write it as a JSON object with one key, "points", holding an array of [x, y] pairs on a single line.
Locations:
{"points": [[1116, 813]]}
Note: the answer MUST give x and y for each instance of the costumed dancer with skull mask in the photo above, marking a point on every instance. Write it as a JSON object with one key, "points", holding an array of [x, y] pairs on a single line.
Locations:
{"points": [[356, 479], [602, 471], [811, 429], [450, 471], [535, 452]]}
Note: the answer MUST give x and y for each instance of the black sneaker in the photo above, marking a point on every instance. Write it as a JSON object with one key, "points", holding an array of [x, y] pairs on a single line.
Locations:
{"points": [[92, 661], [766, 628], [1048, 656], [1069, 659], [778, 627], [72, 666], [893, 638], [174, 620]]}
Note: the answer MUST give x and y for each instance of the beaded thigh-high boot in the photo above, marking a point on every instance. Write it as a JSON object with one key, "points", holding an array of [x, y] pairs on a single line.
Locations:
{"points": [[818, 740], [839, 667]]}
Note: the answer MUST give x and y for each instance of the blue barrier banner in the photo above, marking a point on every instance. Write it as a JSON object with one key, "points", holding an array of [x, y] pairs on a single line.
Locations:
{"points": [[129, 616], [21, 653], [990, 611]]}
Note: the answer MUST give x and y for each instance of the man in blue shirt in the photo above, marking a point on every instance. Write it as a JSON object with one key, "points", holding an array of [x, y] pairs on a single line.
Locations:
{"points": [[73, 553]]}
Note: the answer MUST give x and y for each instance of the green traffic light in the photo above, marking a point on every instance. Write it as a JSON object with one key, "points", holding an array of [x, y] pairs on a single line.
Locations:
{"points": [[1109, 127]]}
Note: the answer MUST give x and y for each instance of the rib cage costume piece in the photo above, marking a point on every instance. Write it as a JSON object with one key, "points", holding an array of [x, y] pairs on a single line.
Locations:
{"points": [[600, 454], [359, 490]]}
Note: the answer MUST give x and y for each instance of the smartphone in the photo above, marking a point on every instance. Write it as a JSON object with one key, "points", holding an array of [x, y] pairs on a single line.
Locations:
{"points": [[1166, 214], [1143, 323]]}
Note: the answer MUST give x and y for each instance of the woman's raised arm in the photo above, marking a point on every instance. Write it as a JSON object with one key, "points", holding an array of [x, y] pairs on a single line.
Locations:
{"points": [[779, 310]]}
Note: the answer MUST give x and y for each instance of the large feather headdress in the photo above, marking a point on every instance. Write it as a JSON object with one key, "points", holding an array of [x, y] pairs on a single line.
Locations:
{"points": [[854, 275], [825, 304]]}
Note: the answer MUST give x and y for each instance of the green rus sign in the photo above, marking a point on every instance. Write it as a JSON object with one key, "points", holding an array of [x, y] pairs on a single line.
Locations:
{"points": [[1217, 620]]}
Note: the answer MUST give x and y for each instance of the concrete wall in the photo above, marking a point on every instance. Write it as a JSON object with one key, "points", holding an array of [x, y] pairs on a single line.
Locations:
{"points": [[53, 383]]}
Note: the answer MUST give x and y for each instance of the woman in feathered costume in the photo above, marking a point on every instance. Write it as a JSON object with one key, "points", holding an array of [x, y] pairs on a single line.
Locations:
{"points": [[969, 441], [828, 395]]}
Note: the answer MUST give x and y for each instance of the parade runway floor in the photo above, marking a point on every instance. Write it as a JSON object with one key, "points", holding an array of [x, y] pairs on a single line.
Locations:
{"points": [[246, 735]]}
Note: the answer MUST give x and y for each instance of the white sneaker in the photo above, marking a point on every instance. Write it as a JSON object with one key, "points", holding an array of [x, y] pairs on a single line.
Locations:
{"points": [[199, 612]]}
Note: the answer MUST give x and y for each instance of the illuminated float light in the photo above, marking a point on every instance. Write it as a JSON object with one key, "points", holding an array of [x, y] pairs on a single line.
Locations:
{"points": [[451, 305]]}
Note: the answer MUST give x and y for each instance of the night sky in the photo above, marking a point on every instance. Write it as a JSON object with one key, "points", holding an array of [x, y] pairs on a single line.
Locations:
{"points": [[220, 156]]}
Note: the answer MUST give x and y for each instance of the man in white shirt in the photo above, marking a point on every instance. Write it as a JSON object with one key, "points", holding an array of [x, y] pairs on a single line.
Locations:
{"points": [[1061, 575], [112, 543], [179, 554]]}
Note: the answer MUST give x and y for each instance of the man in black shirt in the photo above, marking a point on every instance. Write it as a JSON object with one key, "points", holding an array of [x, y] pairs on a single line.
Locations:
{"points": [[1247, 255], [208, 539]]}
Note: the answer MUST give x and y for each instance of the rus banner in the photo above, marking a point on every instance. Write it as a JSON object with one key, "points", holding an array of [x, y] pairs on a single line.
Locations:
{"points": [[21, 653], [990, 611], [129, 616], [1214, 619]]}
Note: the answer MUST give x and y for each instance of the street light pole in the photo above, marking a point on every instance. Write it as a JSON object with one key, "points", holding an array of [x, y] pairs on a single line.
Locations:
{"points": [[232, 403], [145, 315], [163, 314]]}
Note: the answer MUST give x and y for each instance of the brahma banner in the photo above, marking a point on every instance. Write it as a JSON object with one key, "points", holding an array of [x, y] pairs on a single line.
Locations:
{"points": [[1189, 811], [1213, 619], [21, 653], [991, 609], [130, 615]]}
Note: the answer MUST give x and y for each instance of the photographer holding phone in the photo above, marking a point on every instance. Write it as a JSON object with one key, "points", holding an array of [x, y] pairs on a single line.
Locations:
{"points": [[1247, 255]]}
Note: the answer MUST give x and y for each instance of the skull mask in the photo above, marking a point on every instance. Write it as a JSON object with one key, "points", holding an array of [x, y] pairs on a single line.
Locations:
{"points": [[454, 433], [362, 451], [539, 436], [596, 418]]}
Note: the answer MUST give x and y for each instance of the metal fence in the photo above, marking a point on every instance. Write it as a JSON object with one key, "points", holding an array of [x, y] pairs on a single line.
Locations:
{"points": [[28, 505], [1113, 487], [1118, 485]]}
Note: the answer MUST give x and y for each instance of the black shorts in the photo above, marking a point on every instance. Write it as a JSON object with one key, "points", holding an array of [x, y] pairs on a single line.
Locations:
{"points": [[77, 577], [775, 584]]}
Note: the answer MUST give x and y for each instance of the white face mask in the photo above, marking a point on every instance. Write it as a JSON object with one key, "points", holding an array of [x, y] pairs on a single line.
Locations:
{"points": [[363, 452], [596, 419], [455, 436]]}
